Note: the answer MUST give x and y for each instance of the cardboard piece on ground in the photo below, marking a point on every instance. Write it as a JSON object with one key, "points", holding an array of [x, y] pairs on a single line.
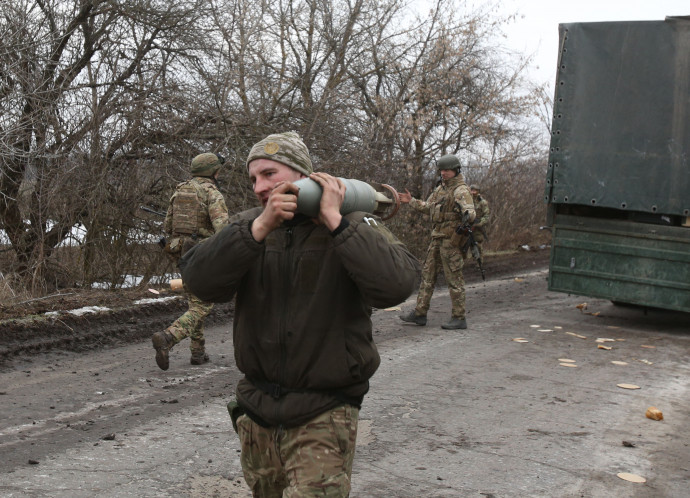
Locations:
{"points": [[631, 477], [628, 386]]}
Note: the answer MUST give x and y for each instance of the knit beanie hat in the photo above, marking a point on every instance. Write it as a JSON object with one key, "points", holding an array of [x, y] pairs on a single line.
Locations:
{"points": [[286, 148]]}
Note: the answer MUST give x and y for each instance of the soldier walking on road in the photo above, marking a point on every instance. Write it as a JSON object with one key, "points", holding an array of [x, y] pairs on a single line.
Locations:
{"points": [[481, 222], [304, 289], [449, 205], [197, 210]]}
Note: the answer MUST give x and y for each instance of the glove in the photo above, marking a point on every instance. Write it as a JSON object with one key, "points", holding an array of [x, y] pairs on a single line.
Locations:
{"points": [[463, 229]]}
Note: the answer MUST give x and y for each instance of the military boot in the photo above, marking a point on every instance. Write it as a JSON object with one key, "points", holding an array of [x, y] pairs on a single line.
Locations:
{"points": [[163, 343], [199, 356], [455, 323], [413, 317]]}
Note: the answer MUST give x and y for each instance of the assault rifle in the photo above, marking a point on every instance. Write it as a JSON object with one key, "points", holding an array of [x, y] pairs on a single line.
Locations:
{"points": [[152, 211], [466, 229], [161, 241]]}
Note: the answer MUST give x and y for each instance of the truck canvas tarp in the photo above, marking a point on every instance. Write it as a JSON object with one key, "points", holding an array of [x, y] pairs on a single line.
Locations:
{"points": [[618, 180]]}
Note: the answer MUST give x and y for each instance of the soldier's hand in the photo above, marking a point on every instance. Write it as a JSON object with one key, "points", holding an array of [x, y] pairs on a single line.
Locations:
{"points": [[281, 206], [406, 197], [332, 196]]}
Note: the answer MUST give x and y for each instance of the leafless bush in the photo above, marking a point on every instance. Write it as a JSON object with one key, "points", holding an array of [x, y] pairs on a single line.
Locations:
{"points": [[103, 104], [515, 192]]}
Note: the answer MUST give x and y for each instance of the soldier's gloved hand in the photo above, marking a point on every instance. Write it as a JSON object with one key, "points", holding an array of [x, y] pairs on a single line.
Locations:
{"points": [[462, 230]]}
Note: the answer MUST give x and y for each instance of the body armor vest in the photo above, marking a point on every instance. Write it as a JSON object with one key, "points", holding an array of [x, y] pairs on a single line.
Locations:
{"points": [[189, 216]]}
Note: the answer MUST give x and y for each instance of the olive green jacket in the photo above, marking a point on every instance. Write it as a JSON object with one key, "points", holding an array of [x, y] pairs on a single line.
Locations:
{"points": [[302, 328]]}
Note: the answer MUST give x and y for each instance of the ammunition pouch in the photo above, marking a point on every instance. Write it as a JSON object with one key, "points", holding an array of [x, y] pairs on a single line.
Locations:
{"points": [[460, 237], [235, 411], [177, 246], [458, 240]]}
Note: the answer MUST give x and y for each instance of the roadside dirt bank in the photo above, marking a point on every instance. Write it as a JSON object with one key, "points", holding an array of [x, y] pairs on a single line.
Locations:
{"points": [[26, 329]]}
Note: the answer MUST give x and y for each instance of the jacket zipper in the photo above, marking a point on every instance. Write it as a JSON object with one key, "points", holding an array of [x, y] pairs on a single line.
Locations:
{"points": [[286, 264]]}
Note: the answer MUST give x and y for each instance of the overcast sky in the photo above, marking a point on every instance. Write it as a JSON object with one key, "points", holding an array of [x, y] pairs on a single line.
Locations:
{"points": [[536, 29]]}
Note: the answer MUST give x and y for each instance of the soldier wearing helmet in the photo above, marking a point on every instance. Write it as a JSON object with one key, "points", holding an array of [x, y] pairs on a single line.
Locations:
{"points": [[197, 210], [448, 206], [481, 222]]}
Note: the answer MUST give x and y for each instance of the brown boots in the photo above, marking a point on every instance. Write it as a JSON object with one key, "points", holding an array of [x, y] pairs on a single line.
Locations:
{"points": [[198, 358], [162, 343], [455, 323], [413, 317]]}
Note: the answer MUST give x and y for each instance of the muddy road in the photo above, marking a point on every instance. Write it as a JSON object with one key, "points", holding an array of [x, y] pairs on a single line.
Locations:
{"points": [[450, 413]]}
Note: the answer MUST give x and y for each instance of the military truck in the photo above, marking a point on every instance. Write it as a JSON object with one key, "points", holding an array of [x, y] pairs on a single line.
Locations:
{"points": [[618, 179]]}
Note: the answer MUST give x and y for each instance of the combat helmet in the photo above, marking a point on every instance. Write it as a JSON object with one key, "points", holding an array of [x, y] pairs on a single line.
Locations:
{"points": [[474, 186], [206, 164], [449, 161]]}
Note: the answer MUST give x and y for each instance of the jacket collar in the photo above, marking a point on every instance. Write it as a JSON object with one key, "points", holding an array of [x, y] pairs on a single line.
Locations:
{"points": [[453, 182]]}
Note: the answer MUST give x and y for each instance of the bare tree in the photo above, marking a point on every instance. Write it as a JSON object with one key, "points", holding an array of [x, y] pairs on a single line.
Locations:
{"points": [[104, 102], [89, 103]]}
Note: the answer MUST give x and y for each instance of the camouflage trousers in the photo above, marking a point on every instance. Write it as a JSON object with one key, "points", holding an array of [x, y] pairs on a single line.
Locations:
{"points": [[314, 459], [442, 254], [191, 324]]}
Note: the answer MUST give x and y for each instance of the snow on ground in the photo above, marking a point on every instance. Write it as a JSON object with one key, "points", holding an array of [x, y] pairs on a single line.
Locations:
{"points": [[81, 311]]}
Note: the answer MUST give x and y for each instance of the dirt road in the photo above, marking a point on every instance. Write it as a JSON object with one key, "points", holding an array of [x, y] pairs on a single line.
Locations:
{"points": [[450, 413]]}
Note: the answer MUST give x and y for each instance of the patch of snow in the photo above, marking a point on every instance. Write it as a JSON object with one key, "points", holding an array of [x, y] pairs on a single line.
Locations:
{"points": [[98, 309], [150, 300], [81, 311], [130, 281]]}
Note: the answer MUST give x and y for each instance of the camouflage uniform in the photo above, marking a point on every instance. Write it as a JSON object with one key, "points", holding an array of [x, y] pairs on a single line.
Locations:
{"points": [[197, 210], [446, 206], [481, 222], [310, 452]]}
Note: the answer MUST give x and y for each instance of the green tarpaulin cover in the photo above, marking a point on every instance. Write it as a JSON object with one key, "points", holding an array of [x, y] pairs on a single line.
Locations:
{"points": [[621, 124]]}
